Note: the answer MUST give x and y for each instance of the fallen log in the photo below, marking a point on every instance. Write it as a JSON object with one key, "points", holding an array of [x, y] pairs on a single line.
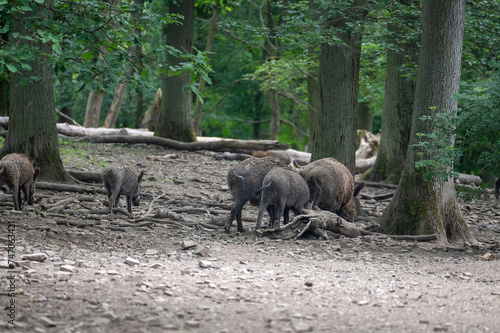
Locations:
{"points": [[69, 188], [86, 176], [237, 146]]}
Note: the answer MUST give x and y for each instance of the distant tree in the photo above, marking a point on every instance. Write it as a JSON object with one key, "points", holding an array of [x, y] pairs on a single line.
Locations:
{"points": [[174, 120], [399, 93], [425, 202], [334, 133]]}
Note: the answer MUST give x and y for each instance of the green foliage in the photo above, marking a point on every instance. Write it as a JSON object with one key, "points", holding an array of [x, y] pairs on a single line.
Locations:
{"points": [[436, 150], [478, 130]]}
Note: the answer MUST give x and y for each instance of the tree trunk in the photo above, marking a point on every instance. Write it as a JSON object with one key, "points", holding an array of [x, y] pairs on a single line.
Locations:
{"points": [[139, 107], [364, 116], [334, 132], [32, 126], [174, 121], [275, 114], [3, 96], [398, 107], [93, 109], [198, 106], [419, 206], [116, 105]]}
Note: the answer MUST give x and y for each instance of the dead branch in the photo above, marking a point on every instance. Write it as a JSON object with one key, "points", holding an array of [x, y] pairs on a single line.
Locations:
{"points": [[238, 146], [417, 238], [68, 188], [311, 221]]}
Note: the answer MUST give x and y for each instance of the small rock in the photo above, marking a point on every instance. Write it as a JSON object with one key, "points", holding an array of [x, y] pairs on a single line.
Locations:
{"points": [[151, 252], [205, 264], [301, 327], [68, 268], [192, 323], [364, 302], [101, 321], [47, 322], [157, 265], [40, 257], [440, 329], [414, 295], [488, 257], [153, 321], [187, 244], [201, 251], [309, 284], [131, 262]]}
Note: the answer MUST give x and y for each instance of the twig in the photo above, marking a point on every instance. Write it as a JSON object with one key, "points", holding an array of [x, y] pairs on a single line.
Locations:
{"points": [[69, 118]]}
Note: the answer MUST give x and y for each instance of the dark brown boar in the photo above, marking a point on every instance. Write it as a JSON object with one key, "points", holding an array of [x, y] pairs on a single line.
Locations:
{"points": [[281, 190], [332, 187], [121, 178], [243, 180], [18, 172]]}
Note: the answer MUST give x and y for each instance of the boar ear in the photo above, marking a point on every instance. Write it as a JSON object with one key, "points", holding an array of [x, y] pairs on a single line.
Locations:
{"points": [[140, 176], [37, 172]]}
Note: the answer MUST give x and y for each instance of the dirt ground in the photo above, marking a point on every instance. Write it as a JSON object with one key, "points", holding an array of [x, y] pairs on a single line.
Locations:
{"points": [[112, 273]]}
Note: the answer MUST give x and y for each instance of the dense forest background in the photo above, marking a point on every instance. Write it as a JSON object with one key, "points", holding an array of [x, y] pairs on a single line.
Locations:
{"points": [[258, 48]]}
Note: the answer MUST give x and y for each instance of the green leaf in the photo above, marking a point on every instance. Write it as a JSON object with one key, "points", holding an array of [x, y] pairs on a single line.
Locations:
{"points": [[88, 55], [11, 68]]}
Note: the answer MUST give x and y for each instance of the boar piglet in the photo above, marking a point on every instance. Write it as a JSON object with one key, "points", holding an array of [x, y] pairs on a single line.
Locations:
{"points": [[120, 178], [17, 171], [243, 180], [281, 190], [332, 187]]}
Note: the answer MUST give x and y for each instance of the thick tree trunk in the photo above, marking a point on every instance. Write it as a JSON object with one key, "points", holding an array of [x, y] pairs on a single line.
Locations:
{"points": [[174, 121], [32, 126], [93, 109], [198, 106], [398, 106], [116, 104], [419, 206], [334, 132]]}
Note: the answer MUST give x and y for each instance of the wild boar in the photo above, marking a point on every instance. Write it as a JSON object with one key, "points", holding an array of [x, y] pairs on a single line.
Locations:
{"points": [[283, 189], [18, 172], [331, 187], [121, 178], [244, 179]]}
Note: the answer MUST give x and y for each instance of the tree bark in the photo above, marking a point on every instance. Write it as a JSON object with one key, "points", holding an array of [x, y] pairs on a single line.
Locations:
{"points": [[364, 117], [32, 126], [93, 109], [174, 120], [334, 132], [116, 104], [419, 206], [3, 96], [275, 114], [198, 105], [397, 112]]}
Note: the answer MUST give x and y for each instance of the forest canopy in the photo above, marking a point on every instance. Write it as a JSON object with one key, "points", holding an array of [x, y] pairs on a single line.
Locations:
{"points": [[260, 49]]}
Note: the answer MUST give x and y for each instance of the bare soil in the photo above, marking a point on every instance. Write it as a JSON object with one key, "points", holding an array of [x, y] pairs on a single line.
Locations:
{"points": [[113, 273]]}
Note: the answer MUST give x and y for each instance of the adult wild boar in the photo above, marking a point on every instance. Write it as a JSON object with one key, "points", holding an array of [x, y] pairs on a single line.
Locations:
{"points": [[281, 190], [18, 172], [243, 180], [121, 178], [332, 187]]}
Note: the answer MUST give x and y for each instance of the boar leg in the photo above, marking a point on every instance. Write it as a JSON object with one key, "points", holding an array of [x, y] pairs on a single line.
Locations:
{"points": [[16, 195], [129, 203]]}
